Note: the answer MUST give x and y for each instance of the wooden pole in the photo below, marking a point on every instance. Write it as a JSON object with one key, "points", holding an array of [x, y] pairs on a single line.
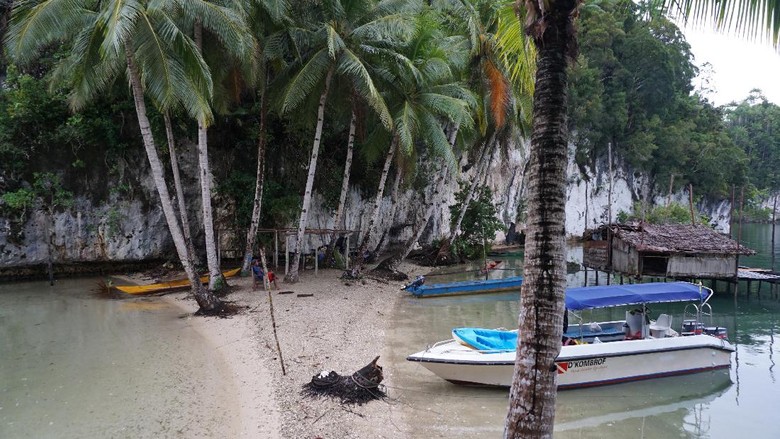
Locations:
{"points": [[774, 223], [346, 256], [690, 203], [609, 195], [286, 254], [276, 249], [739, 239]]}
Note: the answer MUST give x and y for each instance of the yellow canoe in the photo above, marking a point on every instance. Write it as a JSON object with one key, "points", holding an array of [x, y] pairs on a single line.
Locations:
{"points": [[170, 285]]}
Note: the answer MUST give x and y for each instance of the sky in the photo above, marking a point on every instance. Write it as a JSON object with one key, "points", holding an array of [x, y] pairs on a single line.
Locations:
{"points": [[737, 65]]}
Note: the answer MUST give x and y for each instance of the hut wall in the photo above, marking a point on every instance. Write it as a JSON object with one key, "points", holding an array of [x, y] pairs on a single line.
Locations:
{"points": [[594, 254], [625, 258], [701, 266]]}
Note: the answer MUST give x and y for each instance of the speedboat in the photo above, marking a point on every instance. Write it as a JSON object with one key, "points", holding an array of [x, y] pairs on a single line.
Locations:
{"points": [[598, 353]]}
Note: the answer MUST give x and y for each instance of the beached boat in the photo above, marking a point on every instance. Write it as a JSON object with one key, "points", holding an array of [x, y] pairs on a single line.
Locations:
{"points": [[168, 286], [419, 289], [602, 353]]}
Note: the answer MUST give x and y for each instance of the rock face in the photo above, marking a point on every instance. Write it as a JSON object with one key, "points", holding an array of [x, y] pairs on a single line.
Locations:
{"points": [[124, 230]]}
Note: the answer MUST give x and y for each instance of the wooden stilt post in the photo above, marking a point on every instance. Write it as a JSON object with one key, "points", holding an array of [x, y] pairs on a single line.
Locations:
{"points": [[276, 249], [346, 256], [286, 254]]}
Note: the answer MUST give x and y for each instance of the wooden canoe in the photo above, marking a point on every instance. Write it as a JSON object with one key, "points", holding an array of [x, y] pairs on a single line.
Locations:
{"points": [[168, 286]]}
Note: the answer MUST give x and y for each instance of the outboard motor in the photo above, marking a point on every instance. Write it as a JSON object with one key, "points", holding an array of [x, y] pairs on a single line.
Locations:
{"points": [[418, 281]]}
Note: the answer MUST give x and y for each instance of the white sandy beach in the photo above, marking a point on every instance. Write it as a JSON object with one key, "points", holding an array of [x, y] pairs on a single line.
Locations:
{"points": [[340, 327]]}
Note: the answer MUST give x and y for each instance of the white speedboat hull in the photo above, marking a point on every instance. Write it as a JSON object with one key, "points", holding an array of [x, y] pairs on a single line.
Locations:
{"points": [[584, 365]]}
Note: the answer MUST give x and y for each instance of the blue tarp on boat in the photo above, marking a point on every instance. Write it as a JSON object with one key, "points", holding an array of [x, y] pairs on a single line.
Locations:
{"points": [[487, 339], [618, 295]]}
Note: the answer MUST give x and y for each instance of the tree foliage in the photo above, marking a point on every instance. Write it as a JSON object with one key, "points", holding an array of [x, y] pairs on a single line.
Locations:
{"points": [[631, 88], [754, 125], [479, 225]]}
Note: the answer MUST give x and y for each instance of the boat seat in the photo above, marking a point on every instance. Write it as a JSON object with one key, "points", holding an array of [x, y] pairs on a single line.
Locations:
{"points": [[588, 332], [661, 326]]}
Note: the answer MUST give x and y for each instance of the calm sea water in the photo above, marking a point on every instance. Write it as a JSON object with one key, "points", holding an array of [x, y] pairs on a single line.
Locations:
{"points": [[76, 365], [740, 402]]}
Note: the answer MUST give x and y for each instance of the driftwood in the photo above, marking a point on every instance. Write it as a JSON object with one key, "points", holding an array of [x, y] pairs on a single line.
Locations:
{"points": [[358, 388]]}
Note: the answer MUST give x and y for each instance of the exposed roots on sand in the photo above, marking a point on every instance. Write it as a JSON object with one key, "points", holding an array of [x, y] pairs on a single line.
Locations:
{"points": [[358, 388]]}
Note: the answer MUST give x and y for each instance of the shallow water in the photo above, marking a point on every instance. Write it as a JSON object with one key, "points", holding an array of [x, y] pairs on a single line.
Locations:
{"points": [[740, 402], [76, 365]]}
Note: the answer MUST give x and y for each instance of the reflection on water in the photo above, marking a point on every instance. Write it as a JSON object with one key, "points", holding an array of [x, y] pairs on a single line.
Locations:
{"points": [[73, 365], [740, 402]]}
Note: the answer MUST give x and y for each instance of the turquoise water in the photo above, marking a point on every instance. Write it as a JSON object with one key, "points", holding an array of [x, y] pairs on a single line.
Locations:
{"points": [[740, 402], [76, 365]]}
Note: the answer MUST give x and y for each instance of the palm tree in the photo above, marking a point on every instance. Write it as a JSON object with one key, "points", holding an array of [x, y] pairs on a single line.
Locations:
{"points": [[267, 20], [107, 38], [426, 96], [551, 25], [500, 71], [225, 23], [341, 39]]}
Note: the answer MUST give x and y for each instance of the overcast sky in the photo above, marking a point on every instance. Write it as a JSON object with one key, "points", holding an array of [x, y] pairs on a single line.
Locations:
{"points": [[737, 66]]}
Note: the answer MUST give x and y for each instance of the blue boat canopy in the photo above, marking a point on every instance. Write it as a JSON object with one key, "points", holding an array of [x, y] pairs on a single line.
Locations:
{"points": [[619, 295]]}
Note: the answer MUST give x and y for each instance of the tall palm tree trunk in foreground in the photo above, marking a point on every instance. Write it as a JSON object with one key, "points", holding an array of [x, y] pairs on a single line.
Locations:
{"points": [[206, 301], [292, 275], [532, 397], [216, 280], [185, 222], [251, 234]]}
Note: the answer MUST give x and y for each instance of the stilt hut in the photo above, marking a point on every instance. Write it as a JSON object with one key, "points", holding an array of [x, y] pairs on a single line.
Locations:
{"points": [[666, 250]]}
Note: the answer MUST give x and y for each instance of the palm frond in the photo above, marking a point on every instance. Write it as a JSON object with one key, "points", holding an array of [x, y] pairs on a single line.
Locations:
{"points": [[334, 41], [304, 82], [752, 19], [350, 66], [120, 19], [405, 126], [226, 23], [85, 70], [434, 135], [36, 24]]}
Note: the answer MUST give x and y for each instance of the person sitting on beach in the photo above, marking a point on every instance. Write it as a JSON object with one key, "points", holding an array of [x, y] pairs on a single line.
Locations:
{"points": [[257, 273]]}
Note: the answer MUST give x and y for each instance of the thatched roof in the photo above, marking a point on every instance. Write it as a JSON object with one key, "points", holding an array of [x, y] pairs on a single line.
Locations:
{"points": [[677, 238]]}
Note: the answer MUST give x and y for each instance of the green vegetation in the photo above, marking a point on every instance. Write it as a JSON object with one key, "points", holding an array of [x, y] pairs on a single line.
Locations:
{"points": [[673, 213], [631, 88], [479, 225]]}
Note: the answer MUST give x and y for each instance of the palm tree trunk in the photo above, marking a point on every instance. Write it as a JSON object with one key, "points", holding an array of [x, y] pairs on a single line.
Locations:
{"points": [[251, 234], [472, 189], [216, 280], [292, 275], [360, 258], [185, 222], [339, 219], [394, 261], [532, 397], [206, 300]]}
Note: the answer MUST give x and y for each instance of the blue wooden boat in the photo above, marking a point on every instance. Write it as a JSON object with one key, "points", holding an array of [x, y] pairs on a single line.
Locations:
{"points": [[419, 289]]}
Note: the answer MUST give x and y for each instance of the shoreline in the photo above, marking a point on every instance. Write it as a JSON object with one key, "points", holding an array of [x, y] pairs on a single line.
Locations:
{"points": [[342, 327]]}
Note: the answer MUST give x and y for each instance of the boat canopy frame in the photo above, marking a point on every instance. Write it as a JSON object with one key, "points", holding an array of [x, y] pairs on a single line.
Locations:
{"points": [[582, 298]]}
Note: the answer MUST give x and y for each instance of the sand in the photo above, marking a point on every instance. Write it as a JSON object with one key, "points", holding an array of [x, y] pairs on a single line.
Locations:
{"points": [[340, 327]]}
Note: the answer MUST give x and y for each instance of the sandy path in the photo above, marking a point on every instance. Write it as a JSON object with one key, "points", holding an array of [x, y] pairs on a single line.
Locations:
{"points": [[341, 327]]}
